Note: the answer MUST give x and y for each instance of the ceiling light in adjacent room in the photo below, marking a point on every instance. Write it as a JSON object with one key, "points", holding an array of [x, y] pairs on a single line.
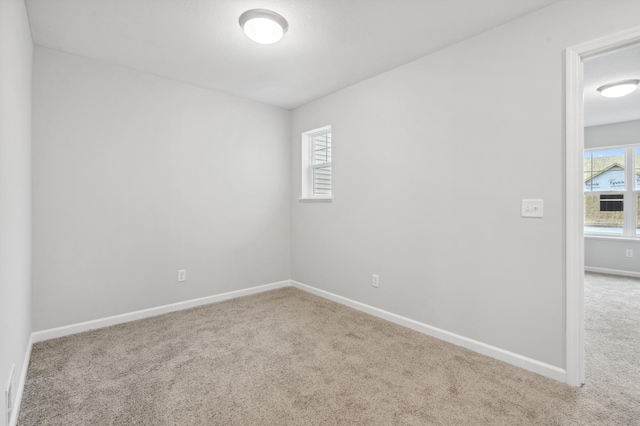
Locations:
{"points": [[263, 26], [619, 89]]}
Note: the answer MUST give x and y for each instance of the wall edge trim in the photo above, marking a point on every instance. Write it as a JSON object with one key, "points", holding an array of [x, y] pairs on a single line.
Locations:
{"points": [[612, 271], [23, 380]]}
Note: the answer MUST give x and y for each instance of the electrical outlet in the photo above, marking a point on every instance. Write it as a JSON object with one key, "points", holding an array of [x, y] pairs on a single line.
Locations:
{"points": [[182, 275], [375, 280], [629, 253]]}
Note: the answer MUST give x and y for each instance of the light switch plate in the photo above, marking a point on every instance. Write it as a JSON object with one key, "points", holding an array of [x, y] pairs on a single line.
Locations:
{"points": [[531, 208]]}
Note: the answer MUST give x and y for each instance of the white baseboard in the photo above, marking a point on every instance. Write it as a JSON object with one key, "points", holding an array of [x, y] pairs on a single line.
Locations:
{"points": [[612, 271], [67, 330], [529, 364], [23, 379]]}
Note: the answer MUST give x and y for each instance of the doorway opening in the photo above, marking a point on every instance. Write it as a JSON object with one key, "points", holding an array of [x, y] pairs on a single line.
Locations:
{"points": [[575, 198]]}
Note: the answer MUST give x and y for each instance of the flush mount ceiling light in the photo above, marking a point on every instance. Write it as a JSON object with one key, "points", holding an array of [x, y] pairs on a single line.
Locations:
{"points": [[619, 89], [263, 26]]}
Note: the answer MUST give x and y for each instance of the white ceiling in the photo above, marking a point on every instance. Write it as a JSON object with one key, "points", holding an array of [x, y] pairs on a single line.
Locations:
{"points": [[622, 64], [330, 44]]}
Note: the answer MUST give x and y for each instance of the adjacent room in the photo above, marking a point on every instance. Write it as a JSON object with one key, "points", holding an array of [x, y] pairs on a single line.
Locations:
{"points": [[611, 218], [317, 212]]}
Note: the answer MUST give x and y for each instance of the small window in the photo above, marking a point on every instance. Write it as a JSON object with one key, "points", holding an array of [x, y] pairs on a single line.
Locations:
{"points": [[316, 164]]}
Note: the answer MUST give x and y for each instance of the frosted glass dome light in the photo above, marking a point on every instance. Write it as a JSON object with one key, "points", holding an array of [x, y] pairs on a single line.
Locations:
{"points": [[619, 89], [263, 26]]}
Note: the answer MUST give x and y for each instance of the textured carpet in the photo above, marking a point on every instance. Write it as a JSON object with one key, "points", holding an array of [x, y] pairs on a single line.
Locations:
{"points": [[290, 358], [612, 345]]}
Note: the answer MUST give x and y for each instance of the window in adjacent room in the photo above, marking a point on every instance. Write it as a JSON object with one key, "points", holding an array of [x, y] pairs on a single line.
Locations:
{"points": [[612, 188], [316, 165]]}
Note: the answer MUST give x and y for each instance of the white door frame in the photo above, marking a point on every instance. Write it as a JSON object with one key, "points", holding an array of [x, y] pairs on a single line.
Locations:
{"points": [[574, 354]]}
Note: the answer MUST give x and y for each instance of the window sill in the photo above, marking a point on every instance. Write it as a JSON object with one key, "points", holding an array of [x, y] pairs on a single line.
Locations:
{"points": [[315, 200], [611, 237]]}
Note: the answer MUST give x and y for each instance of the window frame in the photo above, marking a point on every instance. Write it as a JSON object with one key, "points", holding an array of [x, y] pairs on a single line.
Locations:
{"points": [[629, 194], [308, 166]]}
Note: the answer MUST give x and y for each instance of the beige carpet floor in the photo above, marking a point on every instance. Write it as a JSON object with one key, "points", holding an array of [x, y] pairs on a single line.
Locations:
{"points": [[290, 358]]}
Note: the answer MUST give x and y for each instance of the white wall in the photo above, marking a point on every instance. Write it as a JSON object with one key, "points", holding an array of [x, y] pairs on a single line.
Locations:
{"points": [[602, 253], [137, 176], [430, 163], [615, 134], [608, 255], [16, 55]]}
